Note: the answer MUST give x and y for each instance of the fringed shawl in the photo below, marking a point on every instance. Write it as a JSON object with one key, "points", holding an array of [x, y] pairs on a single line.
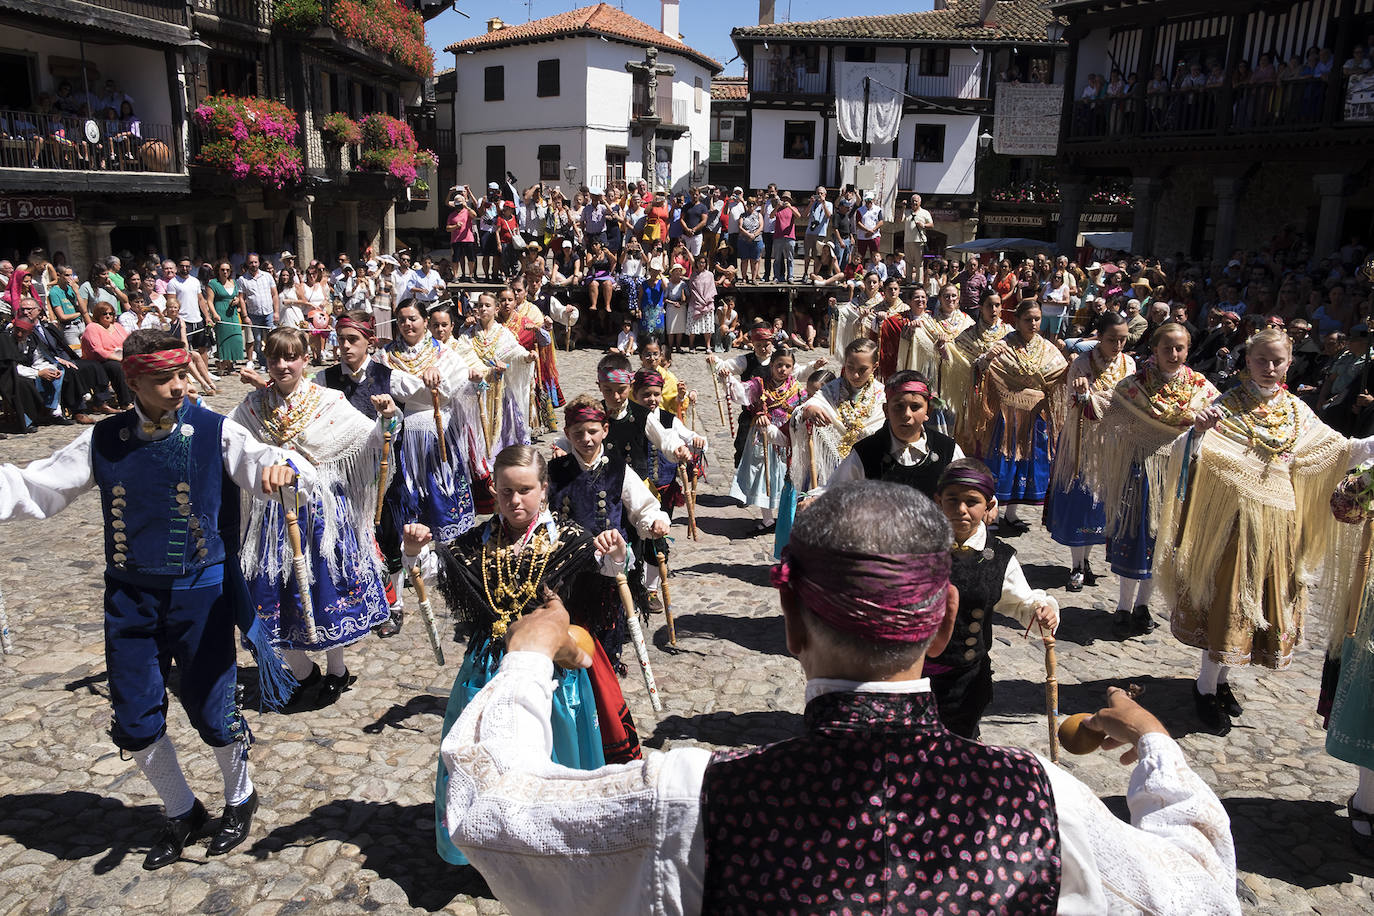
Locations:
{"points": [[831, 444], [344, 447], [1080, 418], [1021, 385], [1277, 511], [511, 409], [959, 388], [1145, 417]]}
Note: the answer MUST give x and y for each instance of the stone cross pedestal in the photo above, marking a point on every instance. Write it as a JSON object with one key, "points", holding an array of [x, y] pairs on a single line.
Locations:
{"points": [[648, 71]]}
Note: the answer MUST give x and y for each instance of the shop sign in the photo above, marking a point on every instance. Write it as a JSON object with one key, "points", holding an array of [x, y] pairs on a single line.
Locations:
{"points": [[34, 209], [1032, 220]]}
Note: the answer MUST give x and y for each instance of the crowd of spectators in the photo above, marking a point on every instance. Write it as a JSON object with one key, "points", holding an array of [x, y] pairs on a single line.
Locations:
{"points": [[1268, 91], [53, 133]]}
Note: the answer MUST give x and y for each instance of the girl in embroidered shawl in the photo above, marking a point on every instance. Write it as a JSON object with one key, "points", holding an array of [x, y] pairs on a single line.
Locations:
{"points": [[426, 488], [839, 415], [501, 570], [497, 410], [534, 331], [1019, 396], [1124, 460], [347, 594], [1240, 547], [932, 348], [769, 403], [958, 388], [1073, 515]]}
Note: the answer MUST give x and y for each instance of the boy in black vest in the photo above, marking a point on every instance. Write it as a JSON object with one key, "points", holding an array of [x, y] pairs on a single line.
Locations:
{"points": [[989, 579], [904, 451], [169, 474]]}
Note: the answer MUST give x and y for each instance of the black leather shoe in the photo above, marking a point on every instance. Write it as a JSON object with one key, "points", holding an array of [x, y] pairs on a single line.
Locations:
{"points": [[234, 826], [1075, 580], [1089, 577], [392, 626], [301, 693], [1122, 627], [1227, 698], [1143, 620], [1211, 712], [176, 833], [333, 687]]}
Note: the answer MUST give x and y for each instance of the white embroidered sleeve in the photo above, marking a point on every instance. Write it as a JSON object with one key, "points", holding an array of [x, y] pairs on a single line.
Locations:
{"points": [[640, 504], [625, 838], [1176, 856], [47, 486], [1361, 450], [1018, 599], [245, 458]]}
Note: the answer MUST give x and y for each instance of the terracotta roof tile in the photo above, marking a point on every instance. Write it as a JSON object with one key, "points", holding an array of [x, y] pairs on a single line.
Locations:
{"points": [[600, 19], [729, 88], [1011, 20]]}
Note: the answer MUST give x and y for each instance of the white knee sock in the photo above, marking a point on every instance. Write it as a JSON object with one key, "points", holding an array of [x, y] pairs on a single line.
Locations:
{"points": [[1126, 594], [233, 763], [1078, 553], [1087, 553], [1364, 795], [1147, 588], [1207, 675], [396, 583], [651, 576], [299, 662], [1012, 512], [334, 661], [158, 761], [1223, 674]]}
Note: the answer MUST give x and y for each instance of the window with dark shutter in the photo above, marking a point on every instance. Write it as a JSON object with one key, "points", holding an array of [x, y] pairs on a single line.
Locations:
{"points": [[547, 78], [495, 84]]}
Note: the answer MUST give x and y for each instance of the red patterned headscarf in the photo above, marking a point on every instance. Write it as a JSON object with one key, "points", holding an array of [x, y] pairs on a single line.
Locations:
{"points": [[156, 361], [579, 414], [367, 328]]}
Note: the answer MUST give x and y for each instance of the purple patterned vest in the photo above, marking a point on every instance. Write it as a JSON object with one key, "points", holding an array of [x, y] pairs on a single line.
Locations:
{"points": [[878, 809]]}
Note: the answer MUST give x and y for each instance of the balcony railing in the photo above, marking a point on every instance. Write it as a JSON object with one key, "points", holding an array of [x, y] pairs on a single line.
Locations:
{"points": [[1287, 105], [29, 140], [786, 77], [251, 12], [170, 11], [666, 108], [962, 82]]}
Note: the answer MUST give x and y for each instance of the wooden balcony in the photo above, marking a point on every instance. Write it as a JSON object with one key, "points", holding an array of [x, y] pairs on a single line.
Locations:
{"points": [[157, 20]]}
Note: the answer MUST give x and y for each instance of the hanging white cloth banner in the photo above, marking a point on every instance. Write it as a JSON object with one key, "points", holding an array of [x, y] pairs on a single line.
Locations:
{"points": [[884, 187], [884, 100]]}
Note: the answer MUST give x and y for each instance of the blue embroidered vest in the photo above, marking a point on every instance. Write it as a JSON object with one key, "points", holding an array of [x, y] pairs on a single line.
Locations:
{"points": [[169, 506], [590, 498], [878, 809], [376, 380]]}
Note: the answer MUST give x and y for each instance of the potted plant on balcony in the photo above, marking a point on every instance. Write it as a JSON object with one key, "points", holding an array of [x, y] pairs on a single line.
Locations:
{"points": [[389, 26], [389, 148], [339, 128], [297, 15], [249, 137]]}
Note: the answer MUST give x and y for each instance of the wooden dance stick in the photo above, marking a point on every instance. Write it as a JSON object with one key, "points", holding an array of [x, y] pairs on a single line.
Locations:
{"points": [[427, 614], [811, 456], [1051, 694], [302, 571], [637, 638], [1352, 614], [439, 426], [720, 405], [686, 473], [667, 601], [381, 477], [6, 644]]}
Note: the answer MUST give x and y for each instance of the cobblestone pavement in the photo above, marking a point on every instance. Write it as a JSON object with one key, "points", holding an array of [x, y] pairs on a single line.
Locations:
{"points": [[346, 818]]}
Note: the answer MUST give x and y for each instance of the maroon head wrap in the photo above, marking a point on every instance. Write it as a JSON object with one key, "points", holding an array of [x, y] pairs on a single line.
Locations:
{"points": [[367, 328], [647, 378], [968, 477], [882, 598], [577, 414]]}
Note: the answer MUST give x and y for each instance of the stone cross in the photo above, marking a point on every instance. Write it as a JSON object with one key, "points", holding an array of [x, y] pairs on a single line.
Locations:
{"points": [[648, 70]]}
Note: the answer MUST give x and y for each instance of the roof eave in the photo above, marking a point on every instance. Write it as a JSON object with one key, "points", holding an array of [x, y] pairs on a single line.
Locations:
{"points": [[588, 32]]}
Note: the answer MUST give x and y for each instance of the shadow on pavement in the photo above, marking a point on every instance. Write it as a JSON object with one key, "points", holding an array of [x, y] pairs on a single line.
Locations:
{"points": [[736, 528], [758, 634], [1317, 840], [1046, 576], [48, 822], [394, 840], [748, 573], [1169, 698], [426, 704], [728, 729]]}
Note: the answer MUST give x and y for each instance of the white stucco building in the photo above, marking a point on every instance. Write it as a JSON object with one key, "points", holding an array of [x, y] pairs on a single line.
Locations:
{"points": [[535, 98]]}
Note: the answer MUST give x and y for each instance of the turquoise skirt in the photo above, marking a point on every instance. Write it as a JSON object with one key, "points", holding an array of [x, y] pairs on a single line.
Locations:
{"points": [[787, 512], [576, 734], [1350, 733]]}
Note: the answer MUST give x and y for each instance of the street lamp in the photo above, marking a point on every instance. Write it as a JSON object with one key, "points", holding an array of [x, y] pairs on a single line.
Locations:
{"points": [[1054, 31], [570, 174], [197, 54]]}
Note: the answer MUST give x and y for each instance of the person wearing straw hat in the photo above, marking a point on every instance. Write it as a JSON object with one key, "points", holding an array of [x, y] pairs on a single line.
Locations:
{"points": [[866, 596]]}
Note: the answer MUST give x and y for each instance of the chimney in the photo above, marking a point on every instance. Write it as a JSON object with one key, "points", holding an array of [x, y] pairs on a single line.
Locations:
{"points": [[765, 12], [494, 24], [941, 4], [670, 19], [985, 10]]}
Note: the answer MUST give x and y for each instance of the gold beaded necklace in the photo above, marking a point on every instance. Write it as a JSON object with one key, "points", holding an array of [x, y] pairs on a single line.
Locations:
{"points": [[853, 414], [286, 422], [517, 574], [1109, 375], [413, 360], [1272, 426]]}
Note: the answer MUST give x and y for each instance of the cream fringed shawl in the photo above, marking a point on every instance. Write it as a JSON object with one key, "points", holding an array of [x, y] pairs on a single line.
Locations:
{"points": [[919, 348], [1081, 418], [1277, 511], [852, 417], [1020, 385], [345, 448], [971, 429], [1139, 428]]}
